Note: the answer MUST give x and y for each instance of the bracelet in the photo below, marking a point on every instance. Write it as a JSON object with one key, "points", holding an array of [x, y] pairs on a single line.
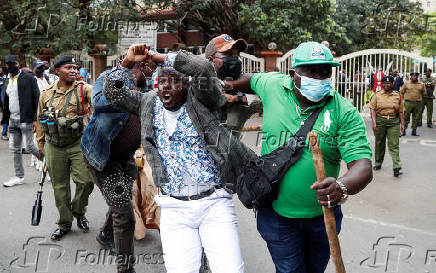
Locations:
{"points": [[344, 191]]}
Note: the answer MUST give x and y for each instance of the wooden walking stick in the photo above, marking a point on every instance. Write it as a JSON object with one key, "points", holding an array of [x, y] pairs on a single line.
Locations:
{"points": [[329, 217]]}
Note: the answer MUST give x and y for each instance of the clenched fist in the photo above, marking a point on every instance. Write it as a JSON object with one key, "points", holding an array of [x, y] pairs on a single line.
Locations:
{"points": [[136, 53]]}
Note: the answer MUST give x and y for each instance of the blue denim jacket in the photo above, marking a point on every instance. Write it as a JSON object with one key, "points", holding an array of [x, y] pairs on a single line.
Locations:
{"points": [[106, 122]]}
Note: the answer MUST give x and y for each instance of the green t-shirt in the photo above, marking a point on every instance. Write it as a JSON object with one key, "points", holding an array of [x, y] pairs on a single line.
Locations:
{"points": [[341, 131]]}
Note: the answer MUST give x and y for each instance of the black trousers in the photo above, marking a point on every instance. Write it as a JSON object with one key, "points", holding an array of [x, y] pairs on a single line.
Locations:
{"points": [[115, 183]]}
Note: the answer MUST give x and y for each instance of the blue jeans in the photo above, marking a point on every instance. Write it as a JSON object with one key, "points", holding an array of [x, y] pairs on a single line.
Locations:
{"points": [[4, 129], [296, 245]]}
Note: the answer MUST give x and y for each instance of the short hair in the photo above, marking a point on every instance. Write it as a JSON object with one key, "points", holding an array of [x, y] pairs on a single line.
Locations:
{"points": [[429, 70]]}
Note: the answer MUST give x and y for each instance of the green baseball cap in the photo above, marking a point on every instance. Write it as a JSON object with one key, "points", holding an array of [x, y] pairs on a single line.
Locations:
{"points": [[310, 53]]}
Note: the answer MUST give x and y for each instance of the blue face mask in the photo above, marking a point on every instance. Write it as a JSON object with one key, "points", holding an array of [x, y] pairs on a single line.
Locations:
{"points": [[313, 89]]}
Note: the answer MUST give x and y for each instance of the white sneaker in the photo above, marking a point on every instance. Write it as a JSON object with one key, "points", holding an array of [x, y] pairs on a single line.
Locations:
{"points": [[14, 181]]}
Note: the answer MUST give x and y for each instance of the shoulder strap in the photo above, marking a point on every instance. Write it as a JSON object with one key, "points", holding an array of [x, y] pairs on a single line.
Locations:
{"points": [[64, 110], [81, 94], [309, 122], [52, 99]]}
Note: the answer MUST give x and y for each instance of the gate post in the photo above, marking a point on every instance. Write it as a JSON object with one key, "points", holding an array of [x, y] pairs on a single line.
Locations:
{"points": [[271, 60]]}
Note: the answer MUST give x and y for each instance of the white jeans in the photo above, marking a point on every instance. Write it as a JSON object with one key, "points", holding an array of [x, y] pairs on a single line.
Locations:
{"points": [[188, 226]]}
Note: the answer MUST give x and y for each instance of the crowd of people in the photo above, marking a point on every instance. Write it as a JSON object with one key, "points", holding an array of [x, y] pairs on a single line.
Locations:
{"points": [[185, 127]]}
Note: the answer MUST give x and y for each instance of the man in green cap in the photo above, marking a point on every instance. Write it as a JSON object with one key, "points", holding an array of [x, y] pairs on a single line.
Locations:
{"points": [[293, 226]]}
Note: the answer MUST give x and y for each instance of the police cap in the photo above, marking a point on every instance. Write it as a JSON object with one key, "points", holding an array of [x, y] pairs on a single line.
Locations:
{"points": [[64, 60], [388, 79]]}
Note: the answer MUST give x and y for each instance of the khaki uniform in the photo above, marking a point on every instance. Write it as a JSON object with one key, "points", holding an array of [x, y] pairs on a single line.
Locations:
{"points": [[62, 153], [412, 93], [428, 97], [387, 107]]}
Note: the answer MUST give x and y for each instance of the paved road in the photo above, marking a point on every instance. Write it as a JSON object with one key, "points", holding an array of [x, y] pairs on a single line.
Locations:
{"points": [[392, 216]]}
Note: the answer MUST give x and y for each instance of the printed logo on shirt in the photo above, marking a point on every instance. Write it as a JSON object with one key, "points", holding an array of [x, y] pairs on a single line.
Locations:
{"points": [[317, 53], [327, 121]]}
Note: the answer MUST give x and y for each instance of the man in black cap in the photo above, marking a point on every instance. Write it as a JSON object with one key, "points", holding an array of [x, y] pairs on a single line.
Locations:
{"points": [[21, 95], [41, 78], [387, 114], [61, 109], [412, 92]]}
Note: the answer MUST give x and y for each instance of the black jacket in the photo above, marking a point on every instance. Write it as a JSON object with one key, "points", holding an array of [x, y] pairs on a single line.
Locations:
{"points": [[28, 96]]}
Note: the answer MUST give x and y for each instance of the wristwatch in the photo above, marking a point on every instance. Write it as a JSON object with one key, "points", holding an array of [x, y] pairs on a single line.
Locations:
{"points": [[240, 97], [344, 191]]}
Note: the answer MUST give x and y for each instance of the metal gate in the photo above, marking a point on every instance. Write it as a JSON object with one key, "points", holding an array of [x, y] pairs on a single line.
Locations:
{"points": [[360, 72]]}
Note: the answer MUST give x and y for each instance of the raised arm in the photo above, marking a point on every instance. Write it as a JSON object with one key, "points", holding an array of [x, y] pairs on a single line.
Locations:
{"points": [[116, 91], [115, 87], [208, 88], [99, 101]]}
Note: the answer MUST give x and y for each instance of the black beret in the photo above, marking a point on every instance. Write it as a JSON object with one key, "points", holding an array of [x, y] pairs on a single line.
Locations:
{"points": [[388, 79], [12, 58], [64, 60]]}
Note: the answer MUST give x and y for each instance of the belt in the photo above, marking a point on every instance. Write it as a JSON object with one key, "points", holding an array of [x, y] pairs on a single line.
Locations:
{"points": [[198, 196], [388, 116]]}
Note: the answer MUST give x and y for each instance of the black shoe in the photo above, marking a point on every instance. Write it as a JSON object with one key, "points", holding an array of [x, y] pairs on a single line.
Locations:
{"points": [[430, 125], [414, 132], [83, 224], [130, 271], [106, 243], [376, 168], [58, 234], [397, 172]]}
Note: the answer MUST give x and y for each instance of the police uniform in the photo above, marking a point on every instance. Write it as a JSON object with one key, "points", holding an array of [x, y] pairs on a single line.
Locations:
{"points": [[59, 129], [387, 107], [412, 94], [427, 98]]}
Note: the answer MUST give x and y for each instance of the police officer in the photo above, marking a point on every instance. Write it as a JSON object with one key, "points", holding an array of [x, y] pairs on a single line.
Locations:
{"points": [[411, 93], [428, 96], [61, 110], [387, 114]]}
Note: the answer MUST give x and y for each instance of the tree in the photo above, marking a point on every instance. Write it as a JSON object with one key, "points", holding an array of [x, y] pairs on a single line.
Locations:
{"points": [[427, 41], [379, 24], [290, 22], [28, 26], [213, 17]]}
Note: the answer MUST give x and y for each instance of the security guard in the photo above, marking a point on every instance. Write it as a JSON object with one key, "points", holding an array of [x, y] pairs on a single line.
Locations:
{"points": [[412, 92], [428, 96], [387, 114], [61, 110]]}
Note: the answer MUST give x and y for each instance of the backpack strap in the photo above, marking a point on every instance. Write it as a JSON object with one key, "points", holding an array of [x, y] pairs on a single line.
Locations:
{"points": [[64, 110], [310, 121]]}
